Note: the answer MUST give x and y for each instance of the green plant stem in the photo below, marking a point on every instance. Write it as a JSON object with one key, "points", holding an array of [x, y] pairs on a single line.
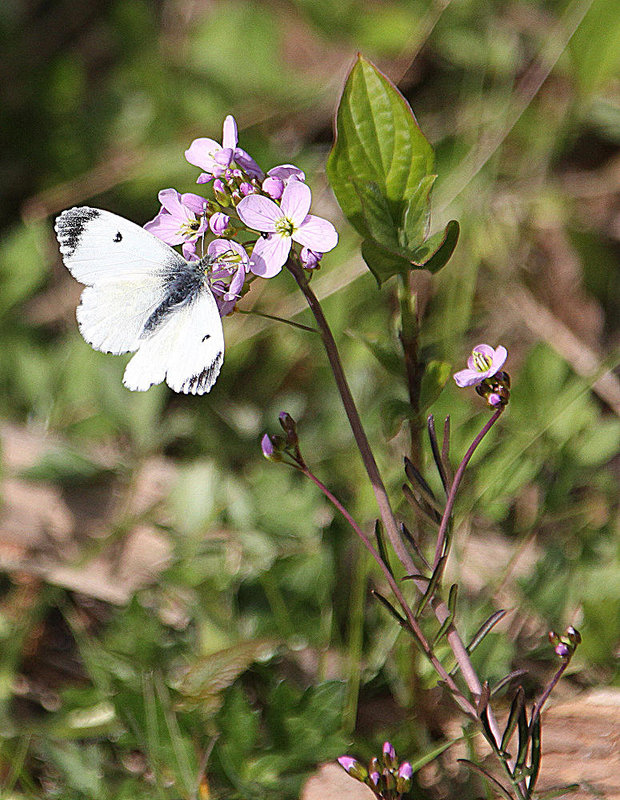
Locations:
{"points": [[460, 699], [408, 336]]}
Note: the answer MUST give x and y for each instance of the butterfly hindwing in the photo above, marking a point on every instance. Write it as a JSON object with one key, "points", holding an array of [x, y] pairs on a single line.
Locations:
{"points": [[186, 349], [141, 295]]}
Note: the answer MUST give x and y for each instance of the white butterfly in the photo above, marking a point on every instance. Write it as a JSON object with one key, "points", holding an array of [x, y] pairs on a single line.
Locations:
{"points": [[141, 296]]}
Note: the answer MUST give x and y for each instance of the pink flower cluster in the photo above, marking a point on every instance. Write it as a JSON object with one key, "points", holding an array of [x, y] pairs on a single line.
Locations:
{"points": [[245, 200]]}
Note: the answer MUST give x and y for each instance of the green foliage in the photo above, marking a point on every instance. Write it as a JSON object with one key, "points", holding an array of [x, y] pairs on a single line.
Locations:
{"points": [[380, 169], [98, 106]]}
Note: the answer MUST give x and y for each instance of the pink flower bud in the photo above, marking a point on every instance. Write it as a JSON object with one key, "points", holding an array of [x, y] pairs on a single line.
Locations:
{"points": [[273, 187], [388, 750], [218, 223], [247, 188]]}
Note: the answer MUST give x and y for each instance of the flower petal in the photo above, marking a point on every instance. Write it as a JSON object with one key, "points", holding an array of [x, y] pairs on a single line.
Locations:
{"points": [[287, 171], [165, 227], [194, 202], [259, 213], [468, 377], [221, 247], [236, 285], [316, 233], [295, 203], [171, 201], [201, 151], [499, 357], [247, 164], [269, 255], [229, 133]]}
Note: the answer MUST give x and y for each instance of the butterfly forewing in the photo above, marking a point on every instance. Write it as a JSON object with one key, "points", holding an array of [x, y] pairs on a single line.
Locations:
{"points": [[141, 295]]}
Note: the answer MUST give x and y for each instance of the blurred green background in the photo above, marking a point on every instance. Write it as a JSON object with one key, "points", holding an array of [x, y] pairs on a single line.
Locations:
{"points": [[172, 606]]}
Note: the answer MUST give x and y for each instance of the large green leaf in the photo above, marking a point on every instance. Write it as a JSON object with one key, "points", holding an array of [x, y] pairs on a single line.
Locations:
{"points": [[381, 171]]}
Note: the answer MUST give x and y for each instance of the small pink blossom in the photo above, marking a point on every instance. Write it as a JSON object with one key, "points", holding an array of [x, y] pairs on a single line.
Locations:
{"points": [[180, 219], [273, 187], [285, 223], [484, 362], [229, 273], [309, 259], [218, 223], [215, 158]]}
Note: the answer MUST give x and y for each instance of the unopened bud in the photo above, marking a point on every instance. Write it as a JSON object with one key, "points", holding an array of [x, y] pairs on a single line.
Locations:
{"points": [[403, 778], [289, 426], [353, 767], [270, 448], [563, 650], [273, 187], [220, 192], [573, 635]]}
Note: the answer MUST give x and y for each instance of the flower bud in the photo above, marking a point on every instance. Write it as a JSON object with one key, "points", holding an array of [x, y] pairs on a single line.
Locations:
{"points": [[310, 259], [388, 751], [273, 187], [219, 190], [247, 188], [219, 223], [353, 767], [563, 650], [270, 448], [573, 635], [403, 778]]}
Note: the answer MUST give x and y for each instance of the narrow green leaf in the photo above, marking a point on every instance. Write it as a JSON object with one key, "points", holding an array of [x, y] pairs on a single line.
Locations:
{"points": [[381, 546], [558, 791], [482, 631], [432, 586], [515, 709], [500, 787], [524, 740], [422, 761], [536, 754], [452, 598], [386, 603]]}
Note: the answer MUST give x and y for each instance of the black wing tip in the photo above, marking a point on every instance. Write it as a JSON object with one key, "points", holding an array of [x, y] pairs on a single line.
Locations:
{"points": [[70, 225], [204, 381]]}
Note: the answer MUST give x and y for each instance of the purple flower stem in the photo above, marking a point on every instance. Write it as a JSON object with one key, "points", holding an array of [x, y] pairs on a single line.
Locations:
{"points": [[387, 515], [447, 514], [545, 695], [462, 701], [385, 509]]}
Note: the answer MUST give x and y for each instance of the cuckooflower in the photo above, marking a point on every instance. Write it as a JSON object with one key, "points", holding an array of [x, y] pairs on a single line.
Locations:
{"points": [[484, 362], [215, 158], [285, 223], [180, 219], [229, 273], [218, 223]]}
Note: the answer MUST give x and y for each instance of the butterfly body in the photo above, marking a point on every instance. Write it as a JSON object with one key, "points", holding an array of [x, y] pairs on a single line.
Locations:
{"points": [[142, 296]]}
